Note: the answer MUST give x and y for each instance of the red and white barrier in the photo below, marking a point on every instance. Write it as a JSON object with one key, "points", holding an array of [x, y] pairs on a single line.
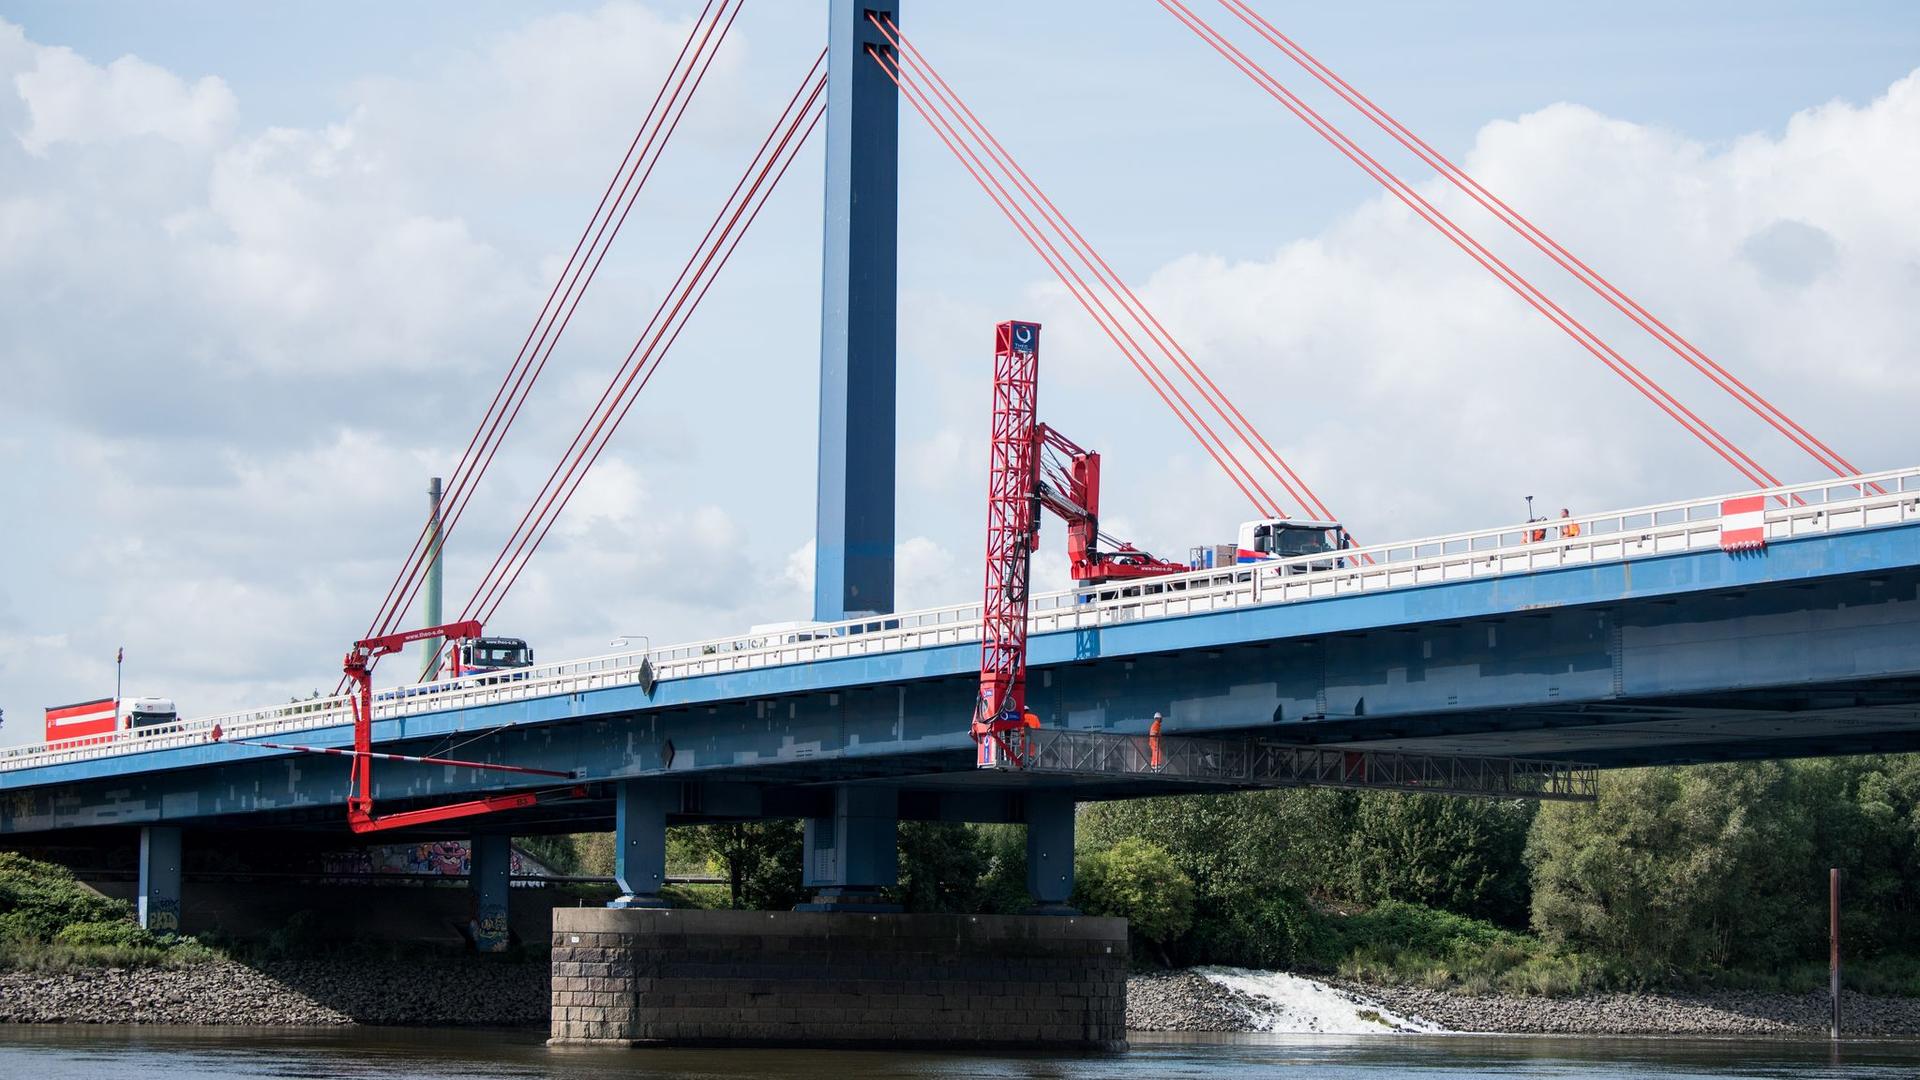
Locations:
{"points": [[1743, 523]]}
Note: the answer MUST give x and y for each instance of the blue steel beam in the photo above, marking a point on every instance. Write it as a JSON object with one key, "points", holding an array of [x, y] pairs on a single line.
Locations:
{"points": [[853, 545], [1572, 663]]}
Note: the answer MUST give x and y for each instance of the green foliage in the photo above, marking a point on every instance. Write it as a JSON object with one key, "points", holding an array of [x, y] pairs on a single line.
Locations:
{"points": [[50, 922], [104, 934], [1677, 871], [759, 859], [37, 899], [1137, 880], [1003, 884], [1454, 854], [941, 866]]}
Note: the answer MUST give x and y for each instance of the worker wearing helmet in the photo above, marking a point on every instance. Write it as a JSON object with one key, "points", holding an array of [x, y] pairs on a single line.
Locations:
{"points": [[1156, 753]]}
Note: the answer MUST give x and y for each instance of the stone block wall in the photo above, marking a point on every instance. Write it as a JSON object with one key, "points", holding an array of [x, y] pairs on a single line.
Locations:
{"points": [[637, 976]]}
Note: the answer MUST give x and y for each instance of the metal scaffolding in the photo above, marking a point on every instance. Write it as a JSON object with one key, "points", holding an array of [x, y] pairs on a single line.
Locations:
{"points": [[1257, 763]]}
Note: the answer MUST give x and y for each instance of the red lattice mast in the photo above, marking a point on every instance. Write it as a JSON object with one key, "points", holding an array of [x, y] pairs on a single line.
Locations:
{"points": [[1012, 529]]}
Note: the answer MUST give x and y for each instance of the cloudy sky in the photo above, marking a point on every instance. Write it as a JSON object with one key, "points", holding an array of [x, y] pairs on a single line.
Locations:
{"points": [[262, 266]]}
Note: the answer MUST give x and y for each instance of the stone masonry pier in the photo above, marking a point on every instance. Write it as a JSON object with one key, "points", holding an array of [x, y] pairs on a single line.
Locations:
{"points": [[641, 977]]}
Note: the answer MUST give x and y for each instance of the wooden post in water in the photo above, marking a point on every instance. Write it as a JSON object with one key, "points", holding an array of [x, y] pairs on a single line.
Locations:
{"points": [[1833, 944]]}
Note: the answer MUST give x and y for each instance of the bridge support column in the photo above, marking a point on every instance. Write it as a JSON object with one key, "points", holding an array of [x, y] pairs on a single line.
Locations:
{"points": [[640, 843], [853, 855], [1050, 852], [159, 897], [490, 876]]}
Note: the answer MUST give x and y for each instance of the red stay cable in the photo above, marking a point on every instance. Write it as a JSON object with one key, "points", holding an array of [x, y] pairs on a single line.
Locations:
{"points": [[1538, 237], [920, 98], [521, 544], [1546, 245], [457, 512], [1586, 338], [415, 560], [817, 115], [1196, 376], [575, 472]]}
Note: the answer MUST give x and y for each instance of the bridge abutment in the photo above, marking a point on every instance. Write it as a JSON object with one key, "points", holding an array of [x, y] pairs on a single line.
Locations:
{"points": [[659, 977], [158, 899]]}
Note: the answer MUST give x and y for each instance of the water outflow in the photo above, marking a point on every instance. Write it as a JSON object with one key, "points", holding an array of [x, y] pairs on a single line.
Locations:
{"points": [[1288, 1004]]}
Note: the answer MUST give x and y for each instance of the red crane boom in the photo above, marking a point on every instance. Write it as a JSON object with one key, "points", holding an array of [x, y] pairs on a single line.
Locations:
{"points": [[1022, 479], [359, 670]]}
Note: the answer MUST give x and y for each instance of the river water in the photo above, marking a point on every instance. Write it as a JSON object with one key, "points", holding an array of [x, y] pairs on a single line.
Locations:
{"points": [[158, 1053]]}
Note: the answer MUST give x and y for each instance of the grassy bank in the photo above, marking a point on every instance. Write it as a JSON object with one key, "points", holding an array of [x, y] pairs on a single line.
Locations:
{"points": [[50, 922]]}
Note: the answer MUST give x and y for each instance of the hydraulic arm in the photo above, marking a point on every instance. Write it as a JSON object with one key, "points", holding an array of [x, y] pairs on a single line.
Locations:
{"points": [[1032, 467]]}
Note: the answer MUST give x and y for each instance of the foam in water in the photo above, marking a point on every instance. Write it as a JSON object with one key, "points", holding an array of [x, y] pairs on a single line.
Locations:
{"points": [[1289, 1004]]}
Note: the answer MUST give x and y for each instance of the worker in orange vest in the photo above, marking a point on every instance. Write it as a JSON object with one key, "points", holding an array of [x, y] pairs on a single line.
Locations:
{"points": [[1028, 720], [1156, 754], [1568, 528]]}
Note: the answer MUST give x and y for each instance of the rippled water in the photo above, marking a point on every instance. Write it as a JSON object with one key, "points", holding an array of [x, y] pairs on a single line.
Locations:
{"points": [[109, 1053]]}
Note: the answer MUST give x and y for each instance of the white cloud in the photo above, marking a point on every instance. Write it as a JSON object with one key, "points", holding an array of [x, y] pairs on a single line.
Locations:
{"points": [[69, 100]]}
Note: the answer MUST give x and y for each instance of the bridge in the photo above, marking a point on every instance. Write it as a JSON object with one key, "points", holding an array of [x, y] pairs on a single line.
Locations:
{"points": [[1639, 639], [1777, 621]]}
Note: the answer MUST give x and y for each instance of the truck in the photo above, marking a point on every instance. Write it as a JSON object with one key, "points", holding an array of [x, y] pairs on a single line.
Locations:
{"points": [[1271, 539], [143, 714]]}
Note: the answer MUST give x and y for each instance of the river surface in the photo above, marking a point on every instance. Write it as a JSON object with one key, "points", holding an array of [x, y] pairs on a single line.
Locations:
{"points": [[158, 1053]]}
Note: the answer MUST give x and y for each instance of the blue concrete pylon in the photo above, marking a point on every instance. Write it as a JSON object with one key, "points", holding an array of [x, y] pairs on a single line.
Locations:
{"points": [[640, 841], [853, 856], [158, 902], [1050, 851], [490, 878], [854, 527]]}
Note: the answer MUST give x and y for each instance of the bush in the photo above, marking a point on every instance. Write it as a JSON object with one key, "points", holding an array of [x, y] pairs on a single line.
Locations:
{"points": [[1137, 880], [124, 935], [37, 899]]}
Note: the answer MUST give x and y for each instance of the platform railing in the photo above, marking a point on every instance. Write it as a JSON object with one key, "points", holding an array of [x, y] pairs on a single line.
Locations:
{"points": [[1250, 763], [1869, 500]]}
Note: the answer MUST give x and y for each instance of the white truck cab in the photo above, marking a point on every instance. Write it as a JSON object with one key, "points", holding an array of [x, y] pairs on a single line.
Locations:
{"points": [[1291, 538], [148, 712]]}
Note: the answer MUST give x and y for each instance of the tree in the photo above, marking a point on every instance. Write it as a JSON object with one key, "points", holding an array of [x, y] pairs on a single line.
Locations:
{"points": [[760, 860], [1137, 880], [941, 864], [1456, 854], [1725, 865]]}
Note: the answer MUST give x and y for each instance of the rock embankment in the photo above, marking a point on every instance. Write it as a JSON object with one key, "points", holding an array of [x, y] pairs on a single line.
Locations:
{"points": [[1725, 1012], [1191, 1001], [435, 991], [1187, 1001]]}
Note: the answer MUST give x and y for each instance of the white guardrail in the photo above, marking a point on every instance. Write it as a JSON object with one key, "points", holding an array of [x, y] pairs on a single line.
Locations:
{"points": [[1872, 499]]}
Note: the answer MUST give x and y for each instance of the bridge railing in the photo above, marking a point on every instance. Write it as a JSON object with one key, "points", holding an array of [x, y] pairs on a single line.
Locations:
{"points": [[1872, 499]]}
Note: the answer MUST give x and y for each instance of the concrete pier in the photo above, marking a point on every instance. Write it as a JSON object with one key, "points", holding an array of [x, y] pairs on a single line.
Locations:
{"points": [[641, 977]]}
